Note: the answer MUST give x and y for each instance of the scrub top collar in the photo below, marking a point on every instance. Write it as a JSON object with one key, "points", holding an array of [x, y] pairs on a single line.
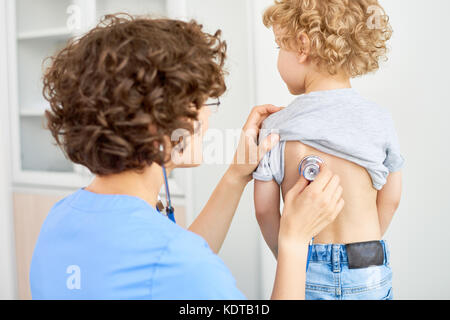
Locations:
{"points": [[94, 202]]}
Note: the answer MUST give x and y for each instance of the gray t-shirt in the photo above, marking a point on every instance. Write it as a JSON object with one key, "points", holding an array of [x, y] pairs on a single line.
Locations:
{"points": [[340, 123]]}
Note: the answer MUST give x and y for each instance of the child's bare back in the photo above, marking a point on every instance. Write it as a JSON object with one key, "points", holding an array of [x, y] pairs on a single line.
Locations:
{"points": [[358, 222], [357, 140]]}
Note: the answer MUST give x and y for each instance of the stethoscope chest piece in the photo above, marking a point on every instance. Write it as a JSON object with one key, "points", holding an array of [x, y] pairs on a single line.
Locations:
{"points": [[310, 167]]}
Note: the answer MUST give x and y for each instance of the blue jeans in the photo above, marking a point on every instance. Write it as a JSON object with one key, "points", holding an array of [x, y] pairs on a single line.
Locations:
{"points": [[329, 278]]}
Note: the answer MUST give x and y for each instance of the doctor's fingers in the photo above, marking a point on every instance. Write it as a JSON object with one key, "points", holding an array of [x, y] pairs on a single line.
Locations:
{"points": [[298, 188], [335, 205], [259, 114], [322, 180], [337, 209], [332, 187], [267, 144], [330, 212], [336, 196]]}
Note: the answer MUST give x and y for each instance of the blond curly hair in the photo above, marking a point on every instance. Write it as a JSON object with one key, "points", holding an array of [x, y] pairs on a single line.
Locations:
{"points": [[347, 36]]}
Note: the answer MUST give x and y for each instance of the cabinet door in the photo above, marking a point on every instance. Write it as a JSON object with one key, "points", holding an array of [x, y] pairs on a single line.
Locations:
{"points": [[37, 30], [30, 211]]}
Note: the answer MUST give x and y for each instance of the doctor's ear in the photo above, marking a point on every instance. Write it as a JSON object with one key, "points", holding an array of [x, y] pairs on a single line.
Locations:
{"points": [[165, 148], [304, 47]]}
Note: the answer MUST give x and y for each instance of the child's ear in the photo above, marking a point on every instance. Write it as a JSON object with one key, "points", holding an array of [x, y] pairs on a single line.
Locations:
{"points": [[304, 47]]}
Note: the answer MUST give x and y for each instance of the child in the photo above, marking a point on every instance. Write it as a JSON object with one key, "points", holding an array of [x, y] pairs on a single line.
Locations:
{"points": [[323, 44]]}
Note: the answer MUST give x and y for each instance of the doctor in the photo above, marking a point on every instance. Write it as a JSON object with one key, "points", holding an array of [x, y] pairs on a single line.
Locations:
{"points": [[116, 97]]}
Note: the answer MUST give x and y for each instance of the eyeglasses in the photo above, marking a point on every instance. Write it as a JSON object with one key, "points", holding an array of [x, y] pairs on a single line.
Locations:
{"points": [[213, 106]]}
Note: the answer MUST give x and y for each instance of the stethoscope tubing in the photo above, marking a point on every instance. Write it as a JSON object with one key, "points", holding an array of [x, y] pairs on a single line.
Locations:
{"points": [[170, 211]]}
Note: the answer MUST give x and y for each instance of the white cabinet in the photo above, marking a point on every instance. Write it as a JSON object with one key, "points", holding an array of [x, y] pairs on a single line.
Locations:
{"points": [[36, 30]]}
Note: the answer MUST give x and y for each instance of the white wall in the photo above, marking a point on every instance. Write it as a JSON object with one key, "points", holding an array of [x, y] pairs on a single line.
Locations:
{"points": [[8, 288], [414, 85], [241, 249]]}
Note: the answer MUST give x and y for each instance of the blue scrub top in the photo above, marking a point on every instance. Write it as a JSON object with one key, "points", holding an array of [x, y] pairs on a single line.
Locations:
{"points": [[95, 246]]}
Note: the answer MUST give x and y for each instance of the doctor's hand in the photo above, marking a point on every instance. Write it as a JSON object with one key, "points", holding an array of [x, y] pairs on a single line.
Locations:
{"points": [[249, 153], [308, 209]]}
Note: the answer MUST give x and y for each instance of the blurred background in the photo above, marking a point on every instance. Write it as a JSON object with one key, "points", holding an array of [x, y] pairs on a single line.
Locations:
{"points": [[413, 85]]}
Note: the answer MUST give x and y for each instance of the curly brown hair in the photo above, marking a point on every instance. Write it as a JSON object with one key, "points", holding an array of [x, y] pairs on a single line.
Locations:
{"points": [[342, 33], [119, 91]]}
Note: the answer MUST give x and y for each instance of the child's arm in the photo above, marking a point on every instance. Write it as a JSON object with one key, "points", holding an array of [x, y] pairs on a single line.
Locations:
{"points": [[267, 207], [388, 200]]}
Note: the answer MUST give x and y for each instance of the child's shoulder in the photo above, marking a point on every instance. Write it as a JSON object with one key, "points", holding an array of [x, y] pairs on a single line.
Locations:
{"points": [[373, 110], [336, 107], [276, 119], [279, 119]]}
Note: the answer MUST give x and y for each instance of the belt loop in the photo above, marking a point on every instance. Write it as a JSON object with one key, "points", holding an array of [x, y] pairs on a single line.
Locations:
{"points": [[335, 258], [386, 253]]}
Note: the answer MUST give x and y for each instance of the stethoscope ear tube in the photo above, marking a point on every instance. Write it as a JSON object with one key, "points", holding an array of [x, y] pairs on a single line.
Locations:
{"points": [[170, 211]]}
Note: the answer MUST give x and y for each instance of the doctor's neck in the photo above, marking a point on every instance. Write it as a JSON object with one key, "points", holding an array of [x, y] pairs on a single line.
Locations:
{"points": [[145, 184]]}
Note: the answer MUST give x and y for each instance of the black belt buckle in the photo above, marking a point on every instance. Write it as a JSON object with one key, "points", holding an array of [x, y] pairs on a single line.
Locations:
{"points": [[365, 254]]}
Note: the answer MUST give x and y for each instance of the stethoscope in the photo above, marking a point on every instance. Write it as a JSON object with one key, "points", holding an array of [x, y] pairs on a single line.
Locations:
{"points": [[168, 210], [309, 168]]}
